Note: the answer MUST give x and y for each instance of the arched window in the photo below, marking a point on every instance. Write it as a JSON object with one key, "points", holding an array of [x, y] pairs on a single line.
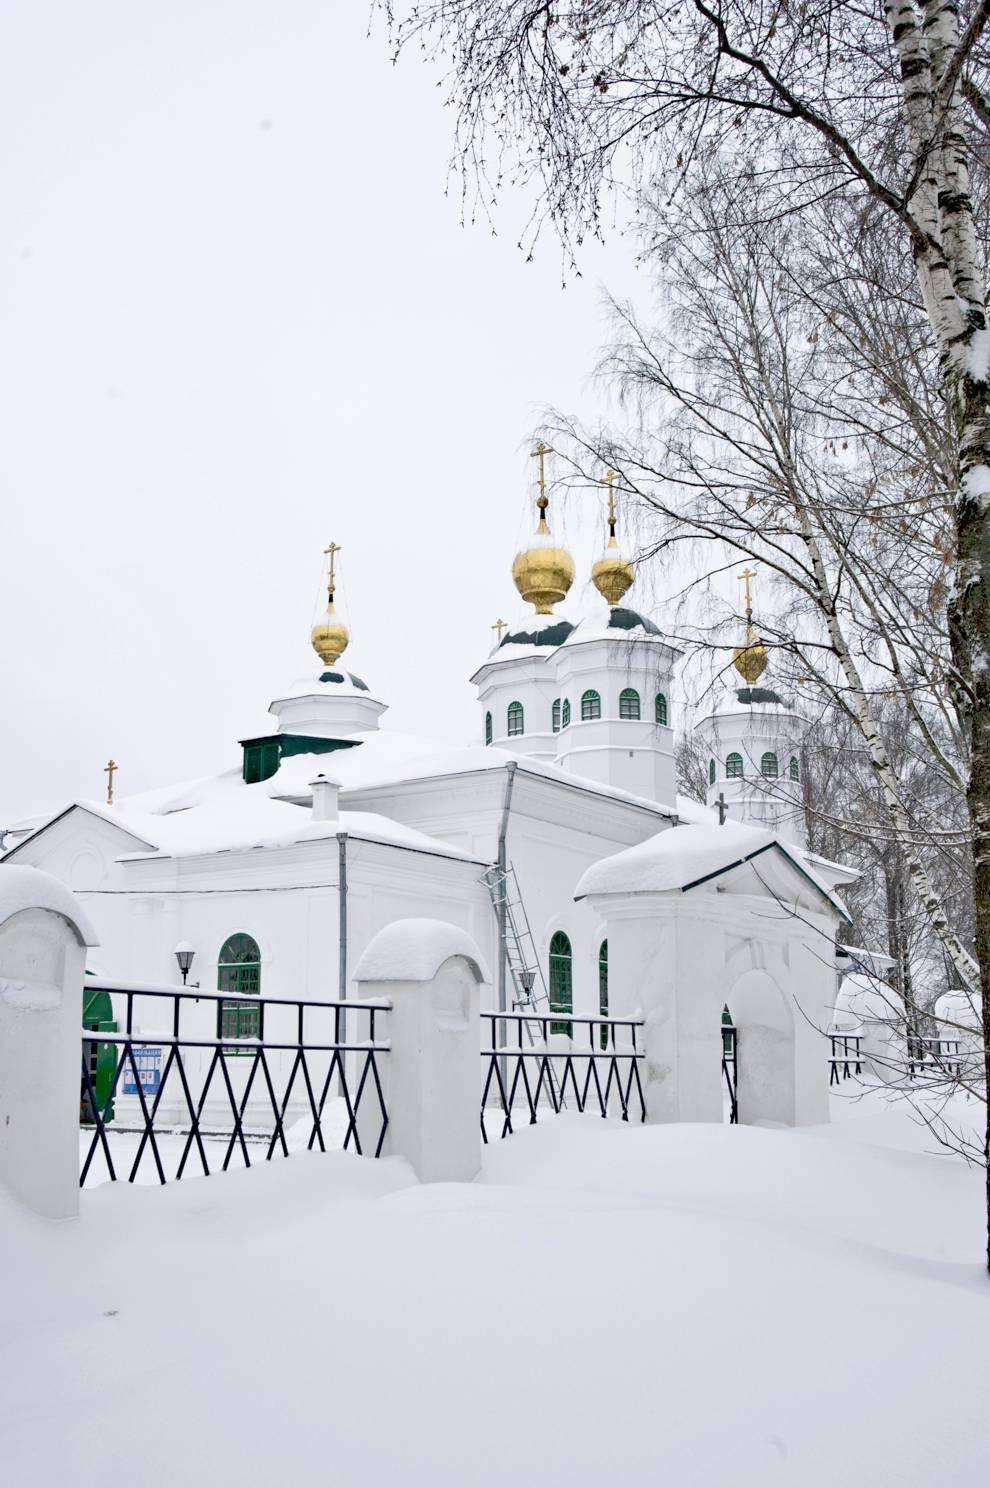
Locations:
{"points": [[488, 728], [733, 766], [556, 715], [561, 981], [629, 703], [565, 713], [591, 705], [603, 989], [711, 772], [239, 972], [795, 768], [727, 1033], [515, 719], [768, 765], [660, 709]]}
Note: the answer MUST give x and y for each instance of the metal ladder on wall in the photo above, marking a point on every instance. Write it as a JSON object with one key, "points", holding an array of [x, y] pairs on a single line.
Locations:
{"points": [[521, 958]]}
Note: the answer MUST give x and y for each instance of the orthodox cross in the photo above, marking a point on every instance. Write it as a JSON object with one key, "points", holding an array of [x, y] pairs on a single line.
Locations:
{"points": [[611, 477], [540, 453], [723, 810], [747, 574], [109, 770], [333, 550], [498, 628]]}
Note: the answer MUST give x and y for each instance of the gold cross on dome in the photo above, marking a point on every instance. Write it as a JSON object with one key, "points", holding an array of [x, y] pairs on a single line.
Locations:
{"points": [[540, 453], [109, 770], [747, 574], [333, 550], [498, 628], [611, 476]]}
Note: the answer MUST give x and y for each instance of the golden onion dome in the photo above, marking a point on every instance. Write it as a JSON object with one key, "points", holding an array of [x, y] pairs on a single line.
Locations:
{"points": [[542, 573], [750, 659], [612, 575], [329, 637]]}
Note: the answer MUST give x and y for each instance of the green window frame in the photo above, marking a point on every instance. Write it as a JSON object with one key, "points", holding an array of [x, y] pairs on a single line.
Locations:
{"points": [[794, 769], [565, 714], [555, 716], [488, 728], [711, 772], [591, 705], [733, 766], [660, 711], [629, 703], [768, 765], [239, 973], [514, 720], [603, 989], [561, 981]]}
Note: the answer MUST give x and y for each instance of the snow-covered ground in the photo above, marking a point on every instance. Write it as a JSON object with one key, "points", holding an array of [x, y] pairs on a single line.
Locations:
{"points": [[679, 1305]]}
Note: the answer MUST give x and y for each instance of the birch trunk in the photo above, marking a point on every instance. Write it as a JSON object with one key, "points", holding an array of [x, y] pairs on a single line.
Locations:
{"points": [[951, 280]]}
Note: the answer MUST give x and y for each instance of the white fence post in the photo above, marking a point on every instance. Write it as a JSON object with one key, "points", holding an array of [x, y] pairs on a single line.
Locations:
{"points": [[430, 972], [43, 940]]}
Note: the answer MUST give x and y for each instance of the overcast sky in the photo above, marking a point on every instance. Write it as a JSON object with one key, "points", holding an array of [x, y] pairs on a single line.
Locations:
{"points": [[239, 317]]}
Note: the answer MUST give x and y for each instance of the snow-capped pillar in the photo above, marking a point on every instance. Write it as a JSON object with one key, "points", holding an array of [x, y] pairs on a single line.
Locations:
{"points": [[43, 939], [665, 961], [430, 972]]}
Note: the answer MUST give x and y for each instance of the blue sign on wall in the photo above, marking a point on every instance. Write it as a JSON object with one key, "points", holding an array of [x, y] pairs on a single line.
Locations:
{"points": [[149, 1069]]}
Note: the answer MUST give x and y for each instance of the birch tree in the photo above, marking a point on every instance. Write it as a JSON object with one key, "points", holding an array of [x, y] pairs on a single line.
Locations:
{"points": [[876, 103]]}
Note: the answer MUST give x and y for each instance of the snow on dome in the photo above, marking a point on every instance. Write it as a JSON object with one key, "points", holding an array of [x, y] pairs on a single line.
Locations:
{"points": [[682, 857], [23, 888], [959, 1010], [414, 951]]}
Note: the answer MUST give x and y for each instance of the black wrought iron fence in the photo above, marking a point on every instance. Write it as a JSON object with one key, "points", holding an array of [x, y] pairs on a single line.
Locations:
{"points": [[183, 1090], [531, 1072], [845, 1057]]}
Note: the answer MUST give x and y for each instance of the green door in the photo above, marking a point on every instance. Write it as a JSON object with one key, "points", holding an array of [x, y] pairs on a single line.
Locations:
{"points": [[101, 1057]]}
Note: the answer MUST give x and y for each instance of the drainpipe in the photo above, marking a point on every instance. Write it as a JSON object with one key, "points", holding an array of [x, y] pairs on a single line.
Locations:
{"points": [[503, 829], [342, 940]]}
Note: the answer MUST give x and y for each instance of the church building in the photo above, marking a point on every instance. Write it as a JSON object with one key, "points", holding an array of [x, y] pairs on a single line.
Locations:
{"points": [[274, 875]]}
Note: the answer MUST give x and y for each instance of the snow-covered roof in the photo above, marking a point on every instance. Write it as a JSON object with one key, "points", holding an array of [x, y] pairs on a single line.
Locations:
{"points": [[246, 816], [331, 682], [414, 950], [22, 887], [735, 701], [687, 856], [614, 624]]}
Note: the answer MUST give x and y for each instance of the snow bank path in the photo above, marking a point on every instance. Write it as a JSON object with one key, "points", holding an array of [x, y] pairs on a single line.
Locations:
{"points": [[679, 1306]]}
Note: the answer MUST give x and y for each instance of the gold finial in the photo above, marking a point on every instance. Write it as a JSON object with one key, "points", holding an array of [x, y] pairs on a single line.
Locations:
{"points": [[542, 502], [329, 639], [109, 770], [543, 574], [747, 574], [498, 628], [613, 574], [333, 550], [750, 660]]}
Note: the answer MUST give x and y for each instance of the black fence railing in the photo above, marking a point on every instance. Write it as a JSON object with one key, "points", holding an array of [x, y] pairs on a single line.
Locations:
{"points": [[170, 1100], [730, 1040], [845, 1057], [531, 1070], [942, 1056]]}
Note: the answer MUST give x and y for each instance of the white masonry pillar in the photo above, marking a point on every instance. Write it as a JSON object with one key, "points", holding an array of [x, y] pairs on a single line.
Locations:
{"points": [[430, 972], [43, 938]]}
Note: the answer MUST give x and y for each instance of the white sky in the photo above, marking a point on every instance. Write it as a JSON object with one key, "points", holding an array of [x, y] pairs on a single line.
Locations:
{"points": [[239, 317]]}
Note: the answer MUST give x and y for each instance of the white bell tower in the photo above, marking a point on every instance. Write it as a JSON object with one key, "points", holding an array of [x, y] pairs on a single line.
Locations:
{"points": [[752, 737]]}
